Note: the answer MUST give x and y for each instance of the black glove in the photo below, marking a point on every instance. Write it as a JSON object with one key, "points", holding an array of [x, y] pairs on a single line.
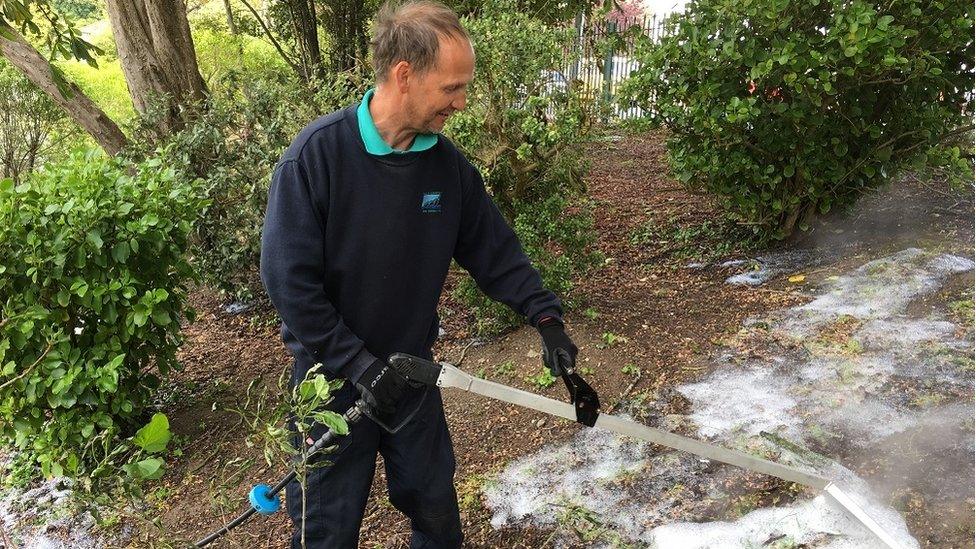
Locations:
{"points": [[558, 351], [382, 387]]}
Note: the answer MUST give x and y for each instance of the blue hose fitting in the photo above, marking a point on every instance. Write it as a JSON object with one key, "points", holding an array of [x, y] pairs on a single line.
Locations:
{"points": [[262, 501]]}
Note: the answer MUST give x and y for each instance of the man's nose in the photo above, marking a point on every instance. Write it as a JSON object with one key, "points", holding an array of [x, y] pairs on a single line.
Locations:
{"points": [[461, 102]]}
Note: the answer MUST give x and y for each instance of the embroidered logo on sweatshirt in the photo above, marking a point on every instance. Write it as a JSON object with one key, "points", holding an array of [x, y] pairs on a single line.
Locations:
{"points": [[431, 203]]}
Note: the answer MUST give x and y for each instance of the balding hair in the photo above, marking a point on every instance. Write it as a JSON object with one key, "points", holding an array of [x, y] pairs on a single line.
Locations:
{"points": [[411, 32]]}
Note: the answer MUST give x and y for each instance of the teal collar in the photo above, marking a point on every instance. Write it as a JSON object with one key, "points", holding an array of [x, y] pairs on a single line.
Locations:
{"points": [[374, 142]]}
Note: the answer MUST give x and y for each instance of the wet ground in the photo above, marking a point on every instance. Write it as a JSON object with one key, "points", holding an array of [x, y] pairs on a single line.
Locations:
{"points": [[856, 377]]}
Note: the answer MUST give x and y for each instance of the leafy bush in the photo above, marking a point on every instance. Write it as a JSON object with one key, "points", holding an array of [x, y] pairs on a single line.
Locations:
{"points": [[92, 293], [527, 139], [232, 145], [789, 108]]}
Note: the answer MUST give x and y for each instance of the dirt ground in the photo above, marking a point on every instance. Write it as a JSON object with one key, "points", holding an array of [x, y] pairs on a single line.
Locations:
{"points": [[664, 318]]}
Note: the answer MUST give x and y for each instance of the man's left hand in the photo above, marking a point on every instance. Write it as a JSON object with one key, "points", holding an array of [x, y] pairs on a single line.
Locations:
{"points": [[558, 351]]}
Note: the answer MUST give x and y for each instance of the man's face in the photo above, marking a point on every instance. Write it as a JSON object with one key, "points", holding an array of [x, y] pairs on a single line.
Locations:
{"points": [[443, 90]]}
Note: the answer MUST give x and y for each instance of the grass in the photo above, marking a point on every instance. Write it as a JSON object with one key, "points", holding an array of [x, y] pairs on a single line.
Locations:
{"points": [[847, 371], [743, 505], [962, 309], [506, 368], [928, 400], [543, 380], [609, 339], [837, 339], [586, 525], [469, 491], [705, 241], [821, 435]]}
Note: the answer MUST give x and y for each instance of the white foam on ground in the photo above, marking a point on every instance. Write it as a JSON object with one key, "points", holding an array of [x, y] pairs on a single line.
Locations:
{"points": [[537, 485], [819, 522], [760, 400], [846, 392], [885, 287], [41, 518], [764, 268], [844, 388]]}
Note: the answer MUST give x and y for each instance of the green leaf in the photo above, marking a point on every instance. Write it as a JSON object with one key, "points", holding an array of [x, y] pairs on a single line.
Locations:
{"points": [[333, 421], [154, 436], [95, 238], [147, 469], [79, 288], [114, 364], [140, 314], [160, 317], [120, 252]]}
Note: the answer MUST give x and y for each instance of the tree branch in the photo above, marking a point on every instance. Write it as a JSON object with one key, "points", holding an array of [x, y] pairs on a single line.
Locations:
{"points": [[270, 36], [72, 100], [31, 367]]}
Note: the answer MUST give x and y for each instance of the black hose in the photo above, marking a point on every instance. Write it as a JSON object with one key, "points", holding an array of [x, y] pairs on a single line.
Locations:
{"points": [[226, 528]]}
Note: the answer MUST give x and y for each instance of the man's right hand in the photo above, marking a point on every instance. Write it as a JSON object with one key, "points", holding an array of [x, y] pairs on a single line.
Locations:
{"points": [[382, 387]]}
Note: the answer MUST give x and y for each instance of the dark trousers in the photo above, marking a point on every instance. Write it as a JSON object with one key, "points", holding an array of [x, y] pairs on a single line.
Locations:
{"points": [[420, 467]]}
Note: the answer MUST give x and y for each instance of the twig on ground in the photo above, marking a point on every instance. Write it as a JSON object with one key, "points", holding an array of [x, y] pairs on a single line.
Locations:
{"points": [[626, 392], [463, 352], [207, 460], [7, 542]]}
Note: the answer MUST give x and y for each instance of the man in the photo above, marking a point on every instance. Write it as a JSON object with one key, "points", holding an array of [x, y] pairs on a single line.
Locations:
{"points": [[367, 208]]}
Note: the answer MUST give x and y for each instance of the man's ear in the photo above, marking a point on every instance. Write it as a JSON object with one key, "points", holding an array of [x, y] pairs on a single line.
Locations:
{"points": [[402, 75]]}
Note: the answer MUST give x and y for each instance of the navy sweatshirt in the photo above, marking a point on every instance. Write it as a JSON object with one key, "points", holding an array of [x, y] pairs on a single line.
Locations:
{"points": [[356, 247]]}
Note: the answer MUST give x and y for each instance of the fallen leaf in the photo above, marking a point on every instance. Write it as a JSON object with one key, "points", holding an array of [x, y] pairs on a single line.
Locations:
{"points": [[797, 278]]}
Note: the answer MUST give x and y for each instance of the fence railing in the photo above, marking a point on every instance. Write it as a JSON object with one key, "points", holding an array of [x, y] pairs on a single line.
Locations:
{"points": [[603, 54]]}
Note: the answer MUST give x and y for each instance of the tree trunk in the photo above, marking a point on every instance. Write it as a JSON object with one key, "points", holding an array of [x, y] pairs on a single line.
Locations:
{"points": [[76, 104], [306, 29], [345, 20], [158, 61], [271, 38], [230, 18]]}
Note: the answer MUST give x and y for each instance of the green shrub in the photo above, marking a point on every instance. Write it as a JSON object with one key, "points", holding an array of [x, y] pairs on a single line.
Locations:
{"points": [[232, 146], [527, 139], [790, 108], [93, 290]]}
